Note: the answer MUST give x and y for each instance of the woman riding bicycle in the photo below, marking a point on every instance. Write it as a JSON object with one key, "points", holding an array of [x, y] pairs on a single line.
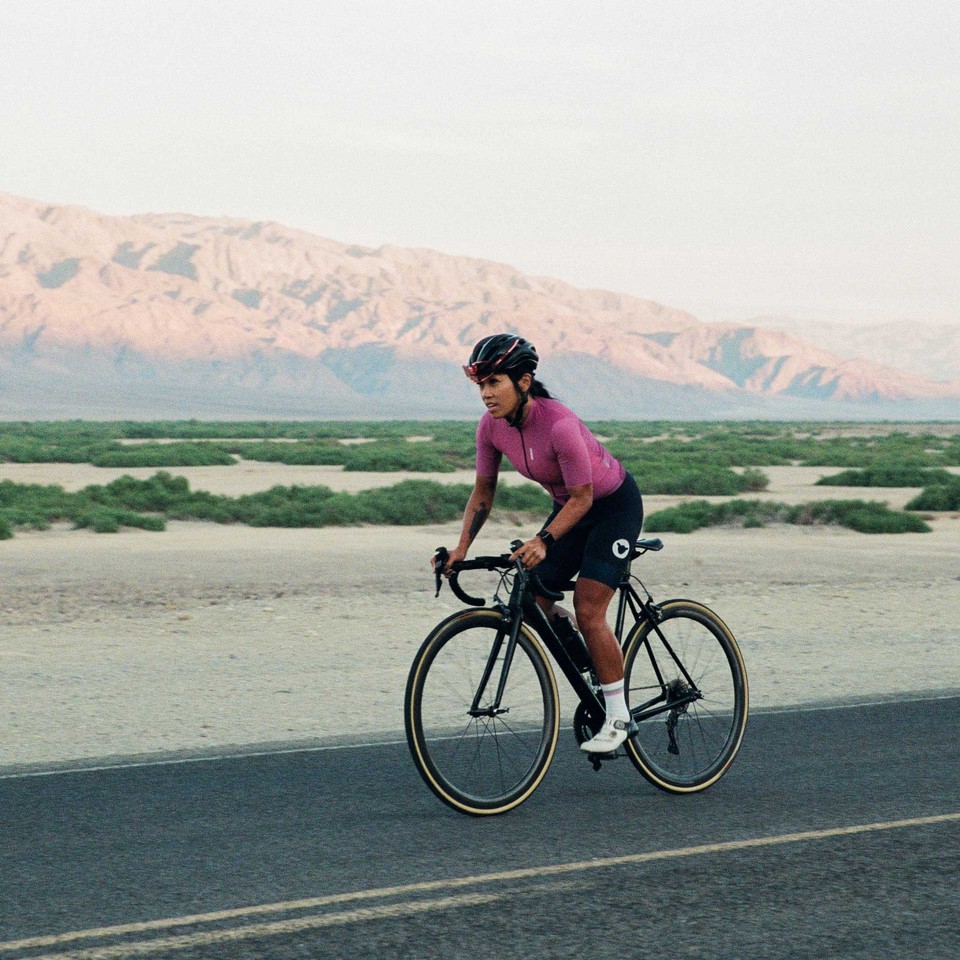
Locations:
{"points": [[597, 515]]}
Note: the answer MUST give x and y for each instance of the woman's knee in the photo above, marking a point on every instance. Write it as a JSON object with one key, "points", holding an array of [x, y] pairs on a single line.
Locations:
{"points": [[590, 602]]}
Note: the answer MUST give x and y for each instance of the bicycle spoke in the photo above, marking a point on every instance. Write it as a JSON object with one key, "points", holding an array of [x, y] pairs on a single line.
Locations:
{"points": [[689, 743], [494, 756]]}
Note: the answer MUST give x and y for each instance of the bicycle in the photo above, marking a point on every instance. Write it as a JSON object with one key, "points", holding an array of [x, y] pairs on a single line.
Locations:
{"points": [[481, 709]]}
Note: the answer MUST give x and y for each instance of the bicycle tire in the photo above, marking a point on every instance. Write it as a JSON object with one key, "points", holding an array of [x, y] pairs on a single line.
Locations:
{"points": [[689, 748], [480, 765]]}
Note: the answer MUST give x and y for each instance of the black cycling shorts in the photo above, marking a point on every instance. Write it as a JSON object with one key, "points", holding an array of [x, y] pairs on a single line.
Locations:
{"points": [[599, 546]]}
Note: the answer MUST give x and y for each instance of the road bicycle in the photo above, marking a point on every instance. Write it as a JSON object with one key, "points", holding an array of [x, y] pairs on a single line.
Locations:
{"points": [[482, 711]]}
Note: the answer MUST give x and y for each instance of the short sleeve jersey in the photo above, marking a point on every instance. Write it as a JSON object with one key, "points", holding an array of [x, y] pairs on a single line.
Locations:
{"points": [[554, 447]]}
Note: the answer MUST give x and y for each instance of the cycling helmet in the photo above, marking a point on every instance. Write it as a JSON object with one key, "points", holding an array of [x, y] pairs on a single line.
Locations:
{"points": [[501, 353]]}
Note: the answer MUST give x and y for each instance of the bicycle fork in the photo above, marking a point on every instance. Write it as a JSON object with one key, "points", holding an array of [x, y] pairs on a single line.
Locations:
{"points": [[512, 619], [494, 709]]}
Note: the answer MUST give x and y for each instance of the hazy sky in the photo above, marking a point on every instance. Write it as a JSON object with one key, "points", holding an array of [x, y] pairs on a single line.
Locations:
{"points": [[732, 159]]}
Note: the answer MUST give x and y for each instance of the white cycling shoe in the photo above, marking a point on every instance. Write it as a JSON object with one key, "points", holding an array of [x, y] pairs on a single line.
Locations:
{"points": [[610, 736]]}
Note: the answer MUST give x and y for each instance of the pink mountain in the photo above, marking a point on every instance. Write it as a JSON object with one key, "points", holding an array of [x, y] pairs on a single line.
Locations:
{"points": [[169, 312]]}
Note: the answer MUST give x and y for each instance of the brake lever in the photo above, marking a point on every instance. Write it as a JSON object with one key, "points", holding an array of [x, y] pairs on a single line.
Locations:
{"points": [[440, 558]]}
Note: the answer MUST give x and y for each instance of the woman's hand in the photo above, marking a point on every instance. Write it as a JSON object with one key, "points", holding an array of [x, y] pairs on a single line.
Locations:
{"points": [[453, 556], [530, 553]]}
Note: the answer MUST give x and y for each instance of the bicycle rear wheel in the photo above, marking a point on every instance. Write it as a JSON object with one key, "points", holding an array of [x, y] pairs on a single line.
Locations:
{"points": [[484, 763], [687, 687]]}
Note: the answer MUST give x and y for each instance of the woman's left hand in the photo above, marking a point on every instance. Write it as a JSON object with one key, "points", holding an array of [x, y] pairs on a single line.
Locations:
{"points": [[530, 553]]}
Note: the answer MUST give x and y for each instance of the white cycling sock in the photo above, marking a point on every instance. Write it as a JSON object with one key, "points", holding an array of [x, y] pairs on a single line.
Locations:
{"points": [[615, 701]]}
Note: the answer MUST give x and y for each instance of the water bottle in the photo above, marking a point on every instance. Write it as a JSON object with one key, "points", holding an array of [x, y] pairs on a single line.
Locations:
{"points": [[573, 643]]}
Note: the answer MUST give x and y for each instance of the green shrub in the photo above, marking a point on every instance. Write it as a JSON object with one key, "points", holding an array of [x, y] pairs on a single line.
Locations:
{"points": [[681, 519], [895, 450], [688, 477], [859, 515], [754, 480], [164, 455], [5, 532], [380, 456], [327, 453], [944, 496], [887, 477], [100, 521], [523, 498]]}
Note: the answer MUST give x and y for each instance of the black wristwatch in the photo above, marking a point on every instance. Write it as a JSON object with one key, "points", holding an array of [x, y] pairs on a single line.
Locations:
{"points": [[547, 537]]}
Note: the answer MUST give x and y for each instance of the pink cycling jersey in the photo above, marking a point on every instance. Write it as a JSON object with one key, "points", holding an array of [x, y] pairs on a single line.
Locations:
{"points": [[553, 447]]}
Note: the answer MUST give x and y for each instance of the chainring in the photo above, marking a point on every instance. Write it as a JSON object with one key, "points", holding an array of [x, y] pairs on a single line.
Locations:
{"points": [[583, 730]]}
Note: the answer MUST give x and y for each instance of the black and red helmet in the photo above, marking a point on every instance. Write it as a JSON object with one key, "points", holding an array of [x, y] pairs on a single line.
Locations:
{"points": [[502, 353]]}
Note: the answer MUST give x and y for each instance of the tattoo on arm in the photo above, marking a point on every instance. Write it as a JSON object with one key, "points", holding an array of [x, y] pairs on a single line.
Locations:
{"points": [[479, 516]]}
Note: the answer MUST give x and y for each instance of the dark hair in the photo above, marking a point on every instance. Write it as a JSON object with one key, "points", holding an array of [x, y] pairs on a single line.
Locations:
{"points": [[537, 389]]}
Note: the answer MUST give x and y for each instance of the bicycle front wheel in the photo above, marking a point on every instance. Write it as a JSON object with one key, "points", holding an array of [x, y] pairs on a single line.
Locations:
{"points": [[475, 758], [687, 688]]}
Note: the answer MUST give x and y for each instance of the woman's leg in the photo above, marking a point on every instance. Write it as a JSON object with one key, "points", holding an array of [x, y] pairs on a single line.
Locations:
{"points": [[590, 601]]}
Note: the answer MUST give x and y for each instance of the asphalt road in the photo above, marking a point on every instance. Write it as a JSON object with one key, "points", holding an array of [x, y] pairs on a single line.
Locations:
{"points": [[835, 834]]}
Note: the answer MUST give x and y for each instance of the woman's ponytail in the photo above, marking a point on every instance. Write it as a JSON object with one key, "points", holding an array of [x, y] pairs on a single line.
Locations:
{"points": [[537, 389]]}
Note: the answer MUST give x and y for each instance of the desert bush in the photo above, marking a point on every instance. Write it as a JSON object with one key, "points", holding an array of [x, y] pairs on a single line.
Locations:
{"points": [[33, 504], [944, 496], [895, 450], [862, 516], [684, 518], [523, 498], [674, 477], [164, 455], [881, 476], [100, 521], [396, 456], [313, 453], [37, 506], [159, 493], [738, 444], [28, 449]]}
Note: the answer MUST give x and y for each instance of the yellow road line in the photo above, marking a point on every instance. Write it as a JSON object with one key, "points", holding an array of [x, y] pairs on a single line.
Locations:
{"points": [[430, 886], [205, 938]]}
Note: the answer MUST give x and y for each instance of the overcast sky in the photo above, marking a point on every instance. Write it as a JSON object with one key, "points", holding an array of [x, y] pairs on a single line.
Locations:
{"points": [[732, 159]]}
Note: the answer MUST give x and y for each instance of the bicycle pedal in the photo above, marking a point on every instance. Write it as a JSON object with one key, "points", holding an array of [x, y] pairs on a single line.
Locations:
{"points": [[597, 758]]}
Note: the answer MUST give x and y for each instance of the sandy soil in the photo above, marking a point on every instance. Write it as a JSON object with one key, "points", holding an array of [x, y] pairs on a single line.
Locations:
{"points": [[206, 637]]}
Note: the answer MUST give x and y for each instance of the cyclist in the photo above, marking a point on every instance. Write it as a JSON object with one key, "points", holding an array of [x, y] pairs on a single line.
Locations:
{"points": [[597, 514]]}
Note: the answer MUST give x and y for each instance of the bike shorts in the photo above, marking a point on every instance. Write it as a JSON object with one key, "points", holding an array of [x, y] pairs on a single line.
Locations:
{"points": [[599, 546]]}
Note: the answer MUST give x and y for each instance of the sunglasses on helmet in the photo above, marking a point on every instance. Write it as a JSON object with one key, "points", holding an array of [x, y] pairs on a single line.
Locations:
{"points": [[484, 369], [478, 372]]}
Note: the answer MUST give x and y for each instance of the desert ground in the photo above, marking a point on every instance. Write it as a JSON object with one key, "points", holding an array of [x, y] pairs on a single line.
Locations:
{"points": [[206, 638]]}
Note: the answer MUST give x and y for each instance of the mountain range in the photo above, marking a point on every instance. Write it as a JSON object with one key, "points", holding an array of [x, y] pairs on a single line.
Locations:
{"points": [[172, 315]]}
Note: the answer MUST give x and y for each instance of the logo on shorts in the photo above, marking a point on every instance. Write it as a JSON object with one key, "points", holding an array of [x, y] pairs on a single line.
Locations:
{"points": [[621, 548]]}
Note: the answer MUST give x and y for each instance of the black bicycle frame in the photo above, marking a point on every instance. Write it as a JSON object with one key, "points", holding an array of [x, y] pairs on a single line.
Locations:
{"points": [[647, 610], [522, 606], [537, 619]]}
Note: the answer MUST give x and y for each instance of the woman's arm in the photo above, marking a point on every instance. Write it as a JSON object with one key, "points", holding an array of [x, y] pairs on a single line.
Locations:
{"points": [[474, 516], [572, 512], [477, 510]]}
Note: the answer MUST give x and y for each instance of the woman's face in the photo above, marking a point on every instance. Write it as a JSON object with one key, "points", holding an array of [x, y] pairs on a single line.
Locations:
{"points": [[500, 396]]}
